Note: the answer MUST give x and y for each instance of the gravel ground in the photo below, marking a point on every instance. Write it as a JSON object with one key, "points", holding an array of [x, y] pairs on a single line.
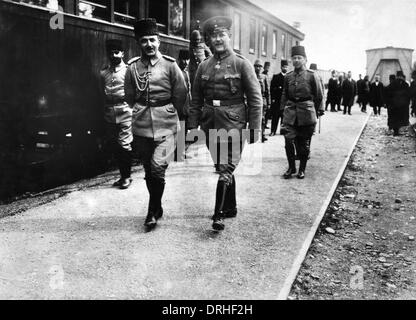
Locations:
{"points": [[365, 247]]}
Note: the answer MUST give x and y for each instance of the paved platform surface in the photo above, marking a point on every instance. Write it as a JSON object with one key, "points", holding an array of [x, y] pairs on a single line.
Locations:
{"points": [[90, 244]]}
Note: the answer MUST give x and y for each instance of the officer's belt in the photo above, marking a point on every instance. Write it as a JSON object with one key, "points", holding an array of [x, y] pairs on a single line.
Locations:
{"points": [[300, 99], [220, 103], [154, 103]]}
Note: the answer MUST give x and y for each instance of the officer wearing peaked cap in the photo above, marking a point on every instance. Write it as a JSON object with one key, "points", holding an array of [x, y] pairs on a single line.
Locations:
{"points": [[301, 104], [221, 84], [117, 112], [156, 90]]}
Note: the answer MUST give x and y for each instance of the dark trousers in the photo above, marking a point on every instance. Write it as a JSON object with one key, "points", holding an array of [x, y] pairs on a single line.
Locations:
{"points": [[347, 109], [276, 116], [155, 155], [377, 109], [118, 143]]}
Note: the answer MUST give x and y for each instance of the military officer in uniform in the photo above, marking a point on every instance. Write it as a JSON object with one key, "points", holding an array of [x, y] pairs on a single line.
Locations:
{"points": [[265, 94], [117, 113], [198, 51], [276, 90], [221, 84], [156, 90], [301, 104]]}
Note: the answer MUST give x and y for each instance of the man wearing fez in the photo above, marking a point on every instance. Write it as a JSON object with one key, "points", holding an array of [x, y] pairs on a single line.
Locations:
{"points": [[221, 84], [276, 90], [265, 94], [156, 90], [117, 113], [199, 51], [301, 104]]}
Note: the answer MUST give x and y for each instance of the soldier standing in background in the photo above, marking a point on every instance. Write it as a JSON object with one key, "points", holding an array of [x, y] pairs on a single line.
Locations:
{"points": [[302, 104], [276, 90], [265, 94], [332, 92], [117, 112], [265, 72], [349, 91], [222, 83], [156, 90], [376, 95], [198, 52]]}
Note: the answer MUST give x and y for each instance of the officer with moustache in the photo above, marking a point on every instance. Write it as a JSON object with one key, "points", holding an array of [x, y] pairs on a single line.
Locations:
{"points": [[117, 112], [156, 90], [222, 82], [301, 105]]}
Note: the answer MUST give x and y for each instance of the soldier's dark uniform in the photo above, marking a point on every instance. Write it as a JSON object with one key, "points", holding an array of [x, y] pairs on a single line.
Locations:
{"points": [[221, 84], [301, 101]]}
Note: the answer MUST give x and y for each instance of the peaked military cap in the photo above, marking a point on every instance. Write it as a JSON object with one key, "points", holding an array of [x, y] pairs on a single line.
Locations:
{"points": [[217, 23], [114, 44], [298, 51], [258, 63], [313, 66], [184, 54], [284, 63], [145, 27]]}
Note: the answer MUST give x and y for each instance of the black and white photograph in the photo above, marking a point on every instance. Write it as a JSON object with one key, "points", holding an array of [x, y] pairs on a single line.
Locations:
{"points": [[219, 151]]}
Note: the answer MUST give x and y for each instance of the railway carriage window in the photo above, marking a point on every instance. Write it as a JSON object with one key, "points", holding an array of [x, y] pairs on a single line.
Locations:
{"points": [[252, 48], [283, 46], [97, 9], [50, 4], [264, 40], [176, 18], [237, 31], [126, 11], [159, 11], [274, 52]]}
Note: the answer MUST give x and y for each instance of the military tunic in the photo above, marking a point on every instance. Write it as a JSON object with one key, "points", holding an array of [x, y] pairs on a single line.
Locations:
{"points": [[222, 83], [116, 110], [157, 92]]}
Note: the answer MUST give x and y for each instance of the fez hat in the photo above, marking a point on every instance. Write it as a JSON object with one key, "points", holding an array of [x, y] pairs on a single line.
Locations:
{"points": [[258, 63], [313, 66], [267, 63], [400, 74], [114, 44], [196, 37], [145, 27], [217, 23], [298, 51], [184, 54], [283, 63]]}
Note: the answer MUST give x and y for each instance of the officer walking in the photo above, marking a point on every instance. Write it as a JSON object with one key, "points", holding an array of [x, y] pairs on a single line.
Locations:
{"points": [[301, 104], [221, 83], [156, 90], [117, 112], [261, 77], [276, 90]]}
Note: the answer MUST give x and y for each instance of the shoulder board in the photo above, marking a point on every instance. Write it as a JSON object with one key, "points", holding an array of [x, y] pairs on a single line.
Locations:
{"points": [[168, 58], [133, 60]]}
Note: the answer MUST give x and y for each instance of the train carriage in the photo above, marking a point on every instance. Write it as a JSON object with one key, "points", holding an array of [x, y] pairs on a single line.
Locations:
{"points": [[52, 51]]}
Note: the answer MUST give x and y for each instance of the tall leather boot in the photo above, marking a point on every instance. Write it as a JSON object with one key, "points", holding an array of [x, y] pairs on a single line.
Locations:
{"points": [[151, 220], [125, 169], [290, 155], [218, 222], [158, 189], [230, 206], [302, 167]]}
